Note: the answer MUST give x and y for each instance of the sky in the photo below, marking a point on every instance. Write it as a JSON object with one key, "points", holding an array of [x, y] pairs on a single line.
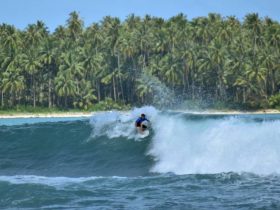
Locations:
{"points": [[55, 12]]}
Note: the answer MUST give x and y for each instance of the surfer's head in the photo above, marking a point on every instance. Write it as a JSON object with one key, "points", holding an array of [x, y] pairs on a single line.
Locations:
{"points": [[143, 115]]}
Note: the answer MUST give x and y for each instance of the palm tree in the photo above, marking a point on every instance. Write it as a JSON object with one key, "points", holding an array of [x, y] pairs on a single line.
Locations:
{"points": [[255, 75], [70, 72], [211, 63], [254, 25], [32, 66], [189, 57], [269, 65], [65, 86], [86, 96], [75, 26], [143, 90], [12, 83], [35, 33], [207, 56], [48, 59], [70, 63], [10, 39], [170, 70]]}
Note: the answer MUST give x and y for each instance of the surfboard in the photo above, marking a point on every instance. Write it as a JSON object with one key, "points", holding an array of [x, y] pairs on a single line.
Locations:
{"points": [[144, 133]]}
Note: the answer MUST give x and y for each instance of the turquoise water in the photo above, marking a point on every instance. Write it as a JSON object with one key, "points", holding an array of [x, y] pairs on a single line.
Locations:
{"points": [[189, 161]]}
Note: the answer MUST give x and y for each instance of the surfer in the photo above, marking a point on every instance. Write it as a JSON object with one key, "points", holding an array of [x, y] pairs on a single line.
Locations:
{"points": [[141, 123]]}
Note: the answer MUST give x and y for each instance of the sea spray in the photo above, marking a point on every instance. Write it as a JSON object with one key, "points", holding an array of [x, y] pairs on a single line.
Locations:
{"points": [[158, 94], [116, 124]]}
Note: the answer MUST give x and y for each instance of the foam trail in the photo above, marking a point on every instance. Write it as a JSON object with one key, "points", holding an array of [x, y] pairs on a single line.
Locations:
{"points": [[115, 124], [212, 146], [51, 181]]}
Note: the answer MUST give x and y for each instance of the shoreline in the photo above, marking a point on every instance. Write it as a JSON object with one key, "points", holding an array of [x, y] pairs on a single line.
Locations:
{"points": [[233, 112], [89, 114], [46, 115]]}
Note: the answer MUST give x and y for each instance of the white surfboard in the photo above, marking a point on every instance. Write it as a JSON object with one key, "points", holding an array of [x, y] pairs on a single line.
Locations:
{"points": [[144, 133]]}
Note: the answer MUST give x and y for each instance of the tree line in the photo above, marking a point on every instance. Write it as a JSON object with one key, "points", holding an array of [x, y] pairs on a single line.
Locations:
{"points": [[211, 58]]}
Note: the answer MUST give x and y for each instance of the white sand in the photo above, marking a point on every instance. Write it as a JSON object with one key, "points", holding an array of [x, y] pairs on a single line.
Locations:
{"points": [[233, 112], [88, 114], [51, 115]]}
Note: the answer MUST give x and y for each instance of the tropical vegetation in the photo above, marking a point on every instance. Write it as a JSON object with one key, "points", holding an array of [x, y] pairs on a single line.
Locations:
{"points": [[213, 60]]}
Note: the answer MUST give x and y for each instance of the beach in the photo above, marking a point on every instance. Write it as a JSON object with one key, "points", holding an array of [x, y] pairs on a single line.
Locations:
{"points": [[233, 112], [45, 115], [88, 114]]}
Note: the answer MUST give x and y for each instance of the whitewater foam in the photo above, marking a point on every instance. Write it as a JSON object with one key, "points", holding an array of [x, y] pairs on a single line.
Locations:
{"points": [[51, 181], [183, 145], [114, 124], [215, 146]]}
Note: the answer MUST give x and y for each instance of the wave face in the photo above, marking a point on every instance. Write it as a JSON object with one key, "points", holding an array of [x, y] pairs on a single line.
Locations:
{"points": [[188, 161], [66, 149]]}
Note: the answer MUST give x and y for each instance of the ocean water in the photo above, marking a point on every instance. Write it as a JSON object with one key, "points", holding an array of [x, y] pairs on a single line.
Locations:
{"points": [[189, 161]]}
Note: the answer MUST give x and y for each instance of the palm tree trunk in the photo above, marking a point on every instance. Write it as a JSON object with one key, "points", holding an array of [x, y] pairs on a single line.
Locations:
{"points": [[49, 94], [244, 96], [13, 95], [34, 90], [236, 97], [114, 89], [41, 95], [98, 91], [120, 79], [57, 100], [2, 98], [192, 91], [255, 44], [34, 99], [273, 82], [16, 98], [121, 88]]}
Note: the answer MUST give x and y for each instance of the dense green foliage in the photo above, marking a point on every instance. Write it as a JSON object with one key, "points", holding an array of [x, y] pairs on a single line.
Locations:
{"points": [[210, 59]]}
